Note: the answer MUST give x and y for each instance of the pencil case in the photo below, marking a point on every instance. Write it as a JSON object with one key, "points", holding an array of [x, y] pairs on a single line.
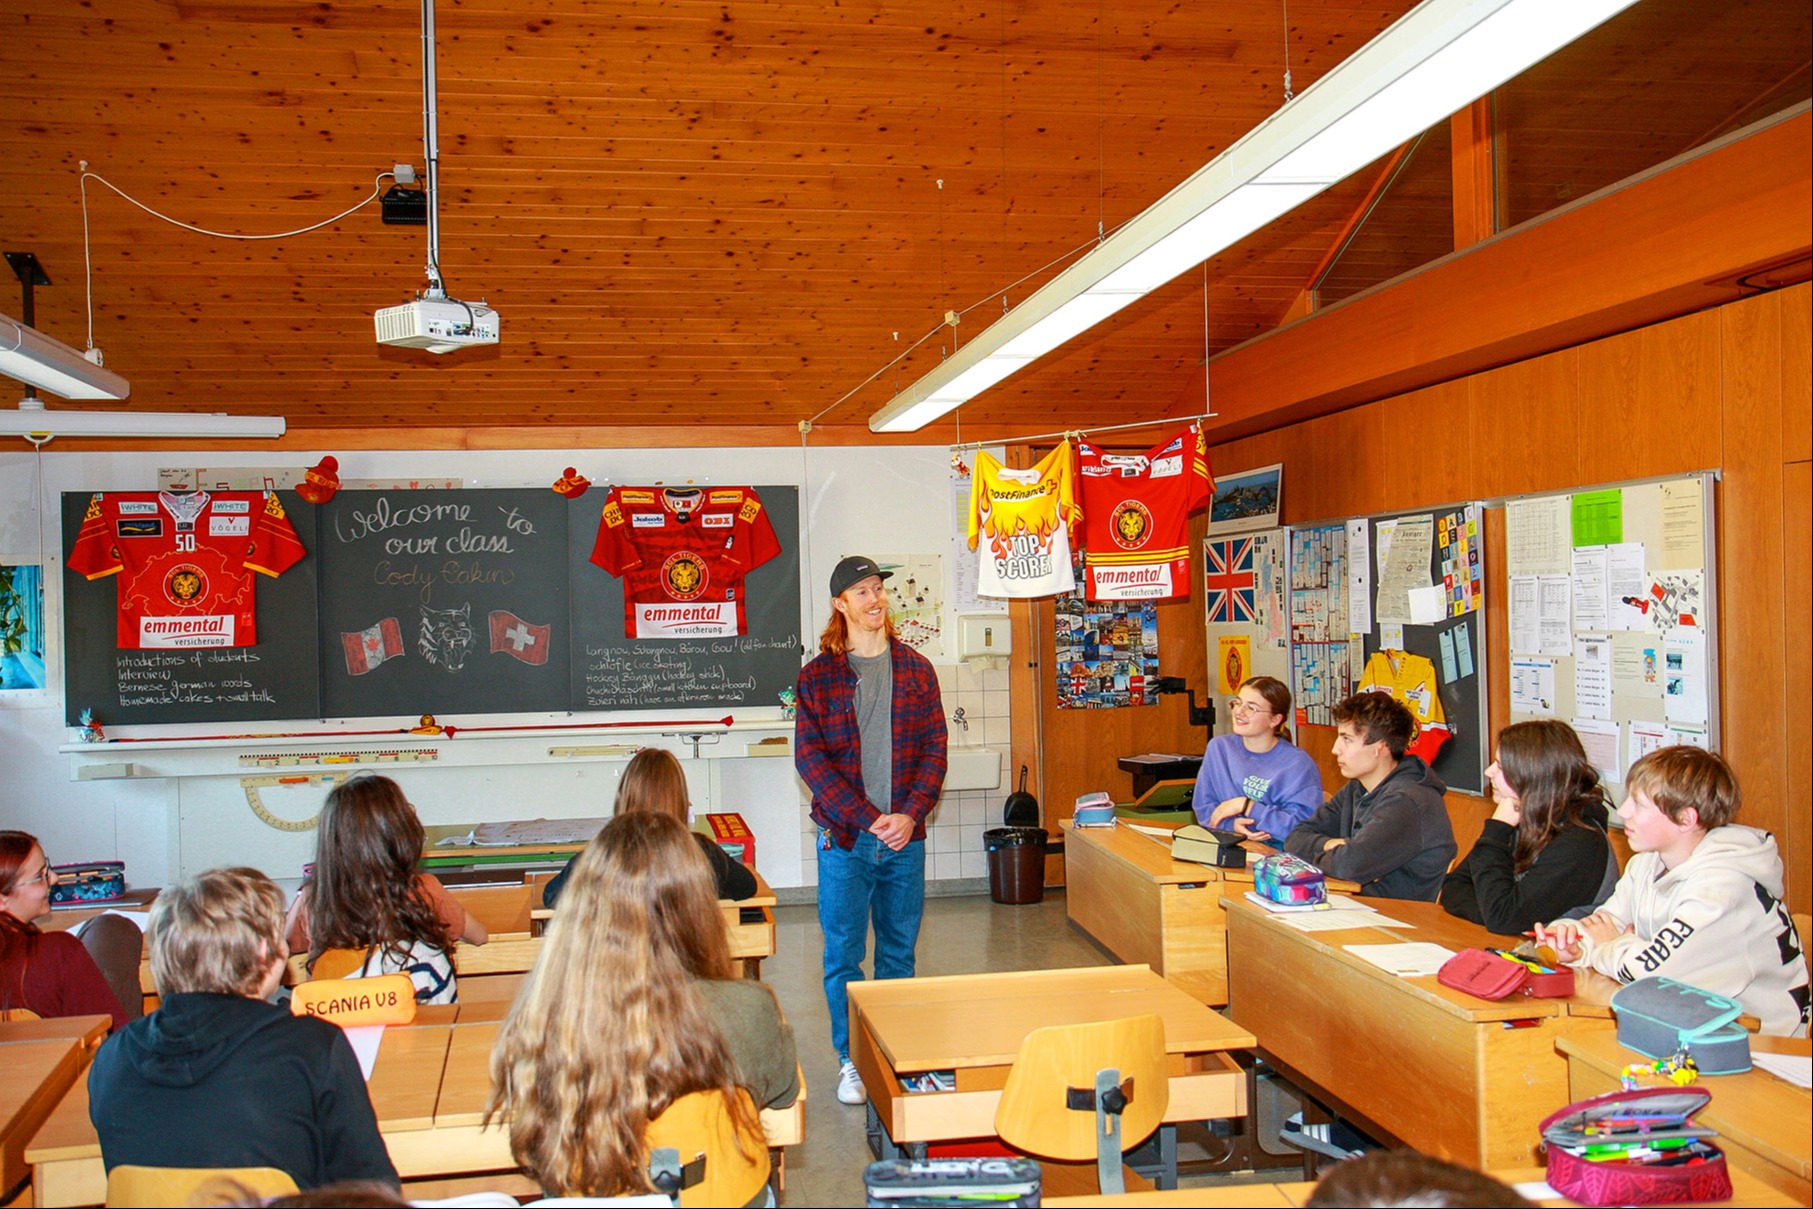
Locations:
{"points": [[1659, 1017], [1289, 880], [1490, 975], [1696, 1172], [88, 882], [1093, 810]]}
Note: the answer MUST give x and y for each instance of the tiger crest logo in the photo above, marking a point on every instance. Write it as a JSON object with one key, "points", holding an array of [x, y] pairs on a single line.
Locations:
{"points": [[1132, 524], [185, 584], [684, 575]]}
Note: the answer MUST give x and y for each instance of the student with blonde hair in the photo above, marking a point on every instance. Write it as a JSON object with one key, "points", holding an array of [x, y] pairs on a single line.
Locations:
{"points": [[1701, 897], [218, 1076], [654, 781], [632, 1005], [365, 893]]}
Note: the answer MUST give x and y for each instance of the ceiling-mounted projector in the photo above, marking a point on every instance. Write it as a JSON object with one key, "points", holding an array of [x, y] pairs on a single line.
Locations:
{"points": [[440, 325]]}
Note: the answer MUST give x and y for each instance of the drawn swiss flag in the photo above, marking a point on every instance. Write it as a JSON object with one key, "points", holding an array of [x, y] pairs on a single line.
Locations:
{"points": [[514, 636], [368, 648]]}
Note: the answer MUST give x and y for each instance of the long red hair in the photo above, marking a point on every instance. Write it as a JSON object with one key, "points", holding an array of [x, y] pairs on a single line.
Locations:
{"points": [[836, 638], [18, 937]]}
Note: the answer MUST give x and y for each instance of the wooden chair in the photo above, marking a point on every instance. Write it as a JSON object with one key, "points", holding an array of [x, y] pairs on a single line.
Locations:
{"points": [[130, 1187], [1083, 1091], [694, 1146], [338, 963]]}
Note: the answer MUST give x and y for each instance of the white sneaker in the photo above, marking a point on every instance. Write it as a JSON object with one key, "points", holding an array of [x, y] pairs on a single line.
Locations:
{"points": [[849, 1086]]}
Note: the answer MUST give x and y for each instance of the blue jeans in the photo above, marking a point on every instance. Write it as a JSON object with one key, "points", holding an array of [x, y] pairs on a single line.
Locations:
{"points": [[870, 882]]}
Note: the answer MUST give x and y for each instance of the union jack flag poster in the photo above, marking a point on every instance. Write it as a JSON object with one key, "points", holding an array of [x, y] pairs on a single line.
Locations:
{"points": [[1230, 581]]}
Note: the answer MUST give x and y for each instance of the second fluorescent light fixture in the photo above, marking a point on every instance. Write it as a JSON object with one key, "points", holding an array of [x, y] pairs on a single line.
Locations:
{"points": [[1438, 58], [37, 360], [32, 419]]}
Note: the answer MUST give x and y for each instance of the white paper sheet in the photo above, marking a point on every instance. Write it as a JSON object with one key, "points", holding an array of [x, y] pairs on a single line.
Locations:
{"points": [[1406, 567], [1626, 586], [1590, 611], [1412, 959], [1359, 578], [1795, 1068], [1427, 605], [1537, 538], [1526, 631], [365, 1039], [1600, 738], [1533, 687], [1555, 610], [1684, 675], [1336, 921], [1646, 737], [1593, 675]]}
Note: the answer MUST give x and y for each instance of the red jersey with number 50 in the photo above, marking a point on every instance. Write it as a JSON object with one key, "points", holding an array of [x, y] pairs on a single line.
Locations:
{"points": [[1136, 510], [185, 562], [682, 554]]}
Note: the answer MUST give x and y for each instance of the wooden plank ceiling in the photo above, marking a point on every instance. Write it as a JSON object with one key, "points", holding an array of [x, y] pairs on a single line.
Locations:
{"points": [[729, 213]]}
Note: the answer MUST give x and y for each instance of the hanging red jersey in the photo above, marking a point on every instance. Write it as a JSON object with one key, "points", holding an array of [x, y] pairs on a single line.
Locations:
{"points": [[185, 562], [1136, 510], [682, 554]]}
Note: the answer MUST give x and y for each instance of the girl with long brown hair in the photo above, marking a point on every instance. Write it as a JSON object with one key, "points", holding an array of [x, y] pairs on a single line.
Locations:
{"points": [[654, 781], [46, 973], [632, 1004], [365, 892], [1254, 780], [1544, 851]]}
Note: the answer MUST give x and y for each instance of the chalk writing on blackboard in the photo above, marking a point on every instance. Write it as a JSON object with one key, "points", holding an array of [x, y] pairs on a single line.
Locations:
{"points": [[704, 672], [191, 677]]}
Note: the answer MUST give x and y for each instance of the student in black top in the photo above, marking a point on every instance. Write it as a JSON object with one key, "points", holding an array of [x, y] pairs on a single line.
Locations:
{"points": [[217, 1076], [655, 782], [1544, 851]]}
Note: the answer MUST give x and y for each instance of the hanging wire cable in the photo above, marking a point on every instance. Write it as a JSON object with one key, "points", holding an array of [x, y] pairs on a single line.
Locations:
{"points": [[1285, 5], [1082, 432], [88, 259], [1101, 121]]}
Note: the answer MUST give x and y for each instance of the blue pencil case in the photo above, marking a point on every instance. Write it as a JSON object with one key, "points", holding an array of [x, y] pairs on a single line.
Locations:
{"points": [[88, 883]]}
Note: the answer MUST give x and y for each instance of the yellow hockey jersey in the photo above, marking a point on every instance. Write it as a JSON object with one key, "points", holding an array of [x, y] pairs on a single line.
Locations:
{"points": [[1411, 679], [1020, 522]]}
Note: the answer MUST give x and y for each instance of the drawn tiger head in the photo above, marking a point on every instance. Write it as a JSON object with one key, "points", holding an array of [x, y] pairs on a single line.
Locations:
{"points": [[446, 637]]}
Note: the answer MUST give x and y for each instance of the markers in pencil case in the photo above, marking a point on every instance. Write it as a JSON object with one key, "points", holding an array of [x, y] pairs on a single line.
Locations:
{"points": [[1528, 963]]}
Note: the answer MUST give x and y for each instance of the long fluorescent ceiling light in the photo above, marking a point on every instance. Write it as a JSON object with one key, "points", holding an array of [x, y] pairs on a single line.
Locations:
{"points": [[1438, 58], [30, 356], [35, 422]]}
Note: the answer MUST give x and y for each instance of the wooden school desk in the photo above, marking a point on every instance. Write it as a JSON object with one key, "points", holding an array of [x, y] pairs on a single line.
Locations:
{"points": [[39, 1061], [1765, 1124], [1125, 891], [428, 1091], [1449, 1074], [973, 1025]]}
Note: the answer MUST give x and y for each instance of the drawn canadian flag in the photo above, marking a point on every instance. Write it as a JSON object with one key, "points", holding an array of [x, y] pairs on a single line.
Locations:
{"points": [[368, 648], [518, 638]]}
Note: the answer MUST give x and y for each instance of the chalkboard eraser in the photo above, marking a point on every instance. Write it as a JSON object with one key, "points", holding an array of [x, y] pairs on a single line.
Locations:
{"points": [[103, 772], [777, 746]]}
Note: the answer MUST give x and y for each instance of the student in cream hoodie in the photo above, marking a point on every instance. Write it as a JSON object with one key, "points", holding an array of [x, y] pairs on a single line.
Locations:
{"points": [[1700, 900]]}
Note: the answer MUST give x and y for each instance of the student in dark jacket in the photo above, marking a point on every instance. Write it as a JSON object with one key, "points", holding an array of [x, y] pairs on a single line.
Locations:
{"points": [[655, 782], [1544, 852], [217, 1076], [1388, 827]]}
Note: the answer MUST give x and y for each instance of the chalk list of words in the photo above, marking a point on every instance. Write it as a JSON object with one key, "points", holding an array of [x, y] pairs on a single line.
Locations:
{"points": [[203, 677], [713, 671]]}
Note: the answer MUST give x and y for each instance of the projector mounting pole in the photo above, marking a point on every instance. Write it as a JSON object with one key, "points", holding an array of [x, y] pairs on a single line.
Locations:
{"points": [[431, 149]]}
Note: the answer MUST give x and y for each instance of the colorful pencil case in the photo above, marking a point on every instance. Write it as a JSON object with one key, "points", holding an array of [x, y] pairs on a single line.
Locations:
{"points": [[1489, 974], [89, 882], [1289, 880], [1635, 1148]]}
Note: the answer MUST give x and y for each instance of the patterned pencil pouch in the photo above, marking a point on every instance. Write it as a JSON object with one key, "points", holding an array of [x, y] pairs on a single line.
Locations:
{"points": [[1290, 880], [89, 882]]}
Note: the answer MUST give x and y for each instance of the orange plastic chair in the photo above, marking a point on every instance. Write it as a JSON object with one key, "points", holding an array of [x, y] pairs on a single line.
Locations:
{"points": [[1083, 1091], [704, 1155], [130, 1187]]}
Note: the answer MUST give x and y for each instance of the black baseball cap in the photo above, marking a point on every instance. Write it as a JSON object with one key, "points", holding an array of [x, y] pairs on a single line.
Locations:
{"points": [[852, 571]]}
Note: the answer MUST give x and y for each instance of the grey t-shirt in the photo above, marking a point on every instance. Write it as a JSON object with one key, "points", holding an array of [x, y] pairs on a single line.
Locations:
{"points": [[875, 726]]}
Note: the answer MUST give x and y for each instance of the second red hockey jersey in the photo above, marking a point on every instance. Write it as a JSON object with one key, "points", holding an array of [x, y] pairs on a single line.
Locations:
{"points": [[682, 554], [185, 562], [1136, 510]]}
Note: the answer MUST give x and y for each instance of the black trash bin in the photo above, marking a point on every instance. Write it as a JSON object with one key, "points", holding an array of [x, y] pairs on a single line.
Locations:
{"points": [[1016, 863]]}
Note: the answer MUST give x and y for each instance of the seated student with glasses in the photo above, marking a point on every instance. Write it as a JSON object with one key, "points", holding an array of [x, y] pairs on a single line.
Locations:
{"points": [[46, 973], [1255, 780]]}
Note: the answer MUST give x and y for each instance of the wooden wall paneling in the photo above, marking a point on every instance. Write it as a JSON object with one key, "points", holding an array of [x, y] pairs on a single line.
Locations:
{"points": [[1653, 398], [1525, 422], [1472, 146], [1797, 372], [1751, 606], [1797, 702], [1498, 626]]}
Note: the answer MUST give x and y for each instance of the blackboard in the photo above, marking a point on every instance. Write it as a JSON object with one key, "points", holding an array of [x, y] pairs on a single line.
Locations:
{"points": [[447, 602], [277, 678], [1454, 645], [438, 602], [611, 671]]}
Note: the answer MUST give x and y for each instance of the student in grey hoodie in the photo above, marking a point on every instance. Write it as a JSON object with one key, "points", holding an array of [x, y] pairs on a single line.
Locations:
{"points": [[217, 1076], [1388, 827]]}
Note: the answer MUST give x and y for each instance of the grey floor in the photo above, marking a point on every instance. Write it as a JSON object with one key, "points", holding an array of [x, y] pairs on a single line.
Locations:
{"points": [[968, 935]]}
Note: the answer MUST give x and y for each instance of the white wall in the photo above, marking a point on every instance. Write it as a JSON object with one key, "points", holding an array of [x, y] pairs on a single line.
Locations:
{"points": [[853, 500]]}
